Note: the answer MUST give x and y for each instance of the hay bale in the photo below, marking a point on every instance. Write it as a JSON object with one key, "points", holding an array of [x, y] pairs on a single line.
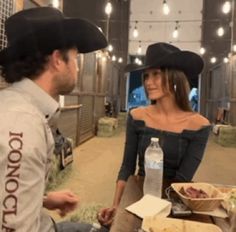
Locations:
{"points": [[56, 175], [122, 118], [86, 213], [226, 136], [107, 126]]}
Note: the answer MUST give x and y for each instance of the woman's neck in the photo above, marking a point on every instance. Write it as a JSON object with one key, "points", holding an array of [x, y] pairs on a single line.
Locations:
{"points": [[167, 106]]}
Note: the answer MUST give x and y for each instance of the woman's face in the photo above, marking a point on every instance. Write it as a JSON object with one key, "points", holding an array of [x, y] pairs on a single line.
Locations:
{"points": [[152, 79]]}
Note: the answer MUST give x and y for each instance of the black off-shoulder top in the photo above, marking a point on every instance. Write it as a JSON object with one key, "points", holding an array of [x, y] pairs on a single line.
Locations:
{"points": [[183, 151]]}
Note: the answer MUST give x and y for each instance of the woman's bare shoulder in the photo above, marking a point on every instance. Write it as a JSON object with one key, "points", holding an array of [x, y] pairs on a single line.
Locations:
{"points": [[139, 113], [199, 121]]}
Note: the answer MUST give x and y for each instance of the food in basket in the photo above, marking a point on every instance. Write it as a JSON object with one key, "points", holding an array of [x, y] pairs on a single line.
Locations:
{"points": [[193, 192], [229, 202], [198, 201]]}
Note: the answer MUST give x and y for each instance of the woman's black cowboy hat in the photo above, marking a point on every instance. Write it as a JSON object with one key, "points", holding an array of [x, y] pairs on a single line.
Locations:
{"points": [[164, 55], [45, 29]]}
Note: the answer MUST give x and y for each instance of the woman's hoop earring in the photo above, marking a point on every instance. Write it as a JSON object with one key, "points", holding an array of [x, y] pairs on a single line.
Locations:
{"points": [[175, 87]]}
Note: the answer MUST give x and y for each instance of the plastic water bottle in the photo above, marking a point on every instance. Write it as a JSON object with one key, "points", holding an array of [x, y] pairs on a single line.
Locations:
{"points": [[153, 169]]}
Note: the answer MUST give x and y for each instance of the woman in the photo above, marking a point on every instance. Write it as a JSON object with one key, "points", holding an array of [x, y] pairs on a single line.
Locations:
{"points": [[182, 133]]}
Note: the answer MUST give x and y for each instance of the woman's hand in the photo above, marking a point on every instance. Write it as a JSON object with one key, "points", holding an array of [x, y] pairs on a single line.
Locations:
{"points": [[64, 201], [106, 216]]}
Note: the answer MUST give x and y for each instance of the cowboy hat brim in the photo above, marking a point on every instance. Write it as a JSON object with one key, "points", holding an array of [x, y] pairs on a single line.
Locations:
{"points": [[190, 63], [49, 36]]}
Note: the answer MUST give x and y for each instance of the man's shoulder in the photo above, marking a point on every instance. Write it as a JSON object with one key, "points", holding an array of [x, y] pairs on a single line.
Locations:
{"points": [[16, 102]]}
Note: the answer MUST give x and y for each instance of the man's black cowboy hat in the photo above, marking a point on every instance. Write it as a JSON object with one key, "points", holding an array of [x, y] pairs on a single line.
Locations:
{"points": [[45, 29], [164, 55]]}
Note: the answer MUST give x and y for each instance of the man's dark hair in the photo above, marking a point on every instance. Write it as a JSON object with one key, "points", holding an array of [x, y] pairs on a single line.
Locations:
{"points": [[30, 66]]}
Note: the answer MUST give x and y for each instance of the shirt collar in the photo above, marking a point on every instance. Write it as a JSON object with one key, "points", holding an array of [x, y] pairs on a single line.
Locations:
{"points": [[43, 101]]}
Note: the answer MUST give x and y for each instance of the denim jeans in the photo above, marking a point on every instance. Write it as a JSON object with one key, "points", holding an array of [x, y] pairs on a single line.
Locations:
{"points": [[76, 227]]}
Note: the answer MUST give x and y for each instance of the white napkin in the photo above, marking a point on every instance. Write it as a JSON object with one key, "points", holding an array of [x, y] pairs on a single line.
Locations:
{"points": [[150, 206]]}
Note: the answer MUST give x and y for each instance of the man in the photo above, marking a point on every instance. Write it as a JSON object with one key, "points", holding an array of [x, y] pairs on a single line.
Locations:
{"points": [[40, 62]]}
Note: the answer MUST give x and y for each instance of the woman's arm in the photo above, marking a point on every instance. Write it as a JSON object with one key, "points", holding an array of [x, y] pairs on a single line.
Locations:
{"points": [[106, 215], [193, 155], [130, 151], [120, 186]]}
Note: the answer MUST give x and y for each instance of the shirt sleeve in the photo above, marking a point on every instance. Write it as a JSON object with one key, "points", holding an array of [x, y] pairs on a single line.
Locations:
{"points": [[193, 155], [130, 151], [23, 163]]}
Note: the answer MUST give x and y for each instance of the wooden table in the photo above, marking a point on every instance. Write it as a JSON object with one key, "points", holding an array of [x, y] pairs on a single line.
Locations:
{"points": [[125, 221]]}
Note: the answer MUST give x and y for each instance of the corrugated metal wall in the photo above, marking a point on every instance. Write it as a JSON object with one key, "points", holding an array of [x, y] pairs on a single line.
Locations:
{"points": [[232, 89], [218, 81], [98, 80]]}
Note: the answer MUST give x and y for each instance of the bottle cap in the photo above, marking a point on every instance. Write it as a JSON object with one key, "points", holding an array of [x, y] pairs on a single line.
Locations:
{"points": [[153, 139]]}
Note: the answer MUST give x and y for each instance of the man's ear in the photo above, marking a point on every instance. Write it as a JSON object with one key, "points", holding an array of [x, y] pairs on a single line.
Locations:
{"points": [[56, 59]]}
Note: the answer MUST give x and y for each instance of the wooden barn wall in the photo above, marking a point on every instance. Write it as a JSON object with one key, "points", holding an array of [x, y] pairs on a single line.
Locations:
{"points": [[87, 84], [115, 91], [220, 83], [218, 90], [97, 80], [99, 110], [218, 80], [119, 25], [68, 120], [232, 83]]}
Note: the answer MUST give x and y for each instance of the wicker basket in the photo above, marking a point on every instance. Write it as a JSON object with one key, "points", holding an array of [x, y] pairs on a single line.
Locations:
{"points": [[200, 204]]}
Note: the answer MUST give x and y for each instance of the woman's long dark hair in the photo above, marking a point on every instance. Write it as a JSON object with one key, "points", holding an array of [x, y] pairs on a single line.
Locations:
{"points": [[175, 82]]}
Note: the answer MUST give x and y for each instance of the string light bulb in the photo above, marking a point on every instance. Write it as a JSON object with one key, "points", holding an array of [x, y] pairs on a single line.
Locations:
{"points": [[202, 50], [165, 8], [140, 62], [175, 33], [135, 31], [213, 60], [136, 60], [110, 48], [226, 59], [108, 8], [226, 7], [220, 31], [113, 58], [120, 60], [139, 51], [234, 48], [98, 54]]}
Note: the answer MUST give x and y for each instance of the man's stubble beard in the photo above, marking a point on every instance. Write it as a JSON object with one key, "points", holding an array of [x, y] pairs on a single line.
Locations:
{"points": [[64, 84]]}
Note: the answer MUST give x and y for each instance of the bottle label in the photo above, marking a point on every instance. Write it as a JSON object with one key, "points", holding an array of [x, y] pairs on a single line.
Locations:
{"points": [[153, 164]]}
